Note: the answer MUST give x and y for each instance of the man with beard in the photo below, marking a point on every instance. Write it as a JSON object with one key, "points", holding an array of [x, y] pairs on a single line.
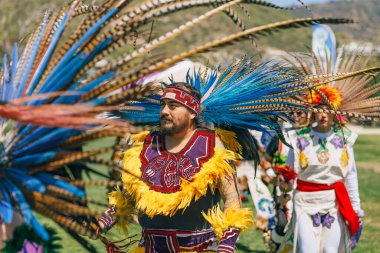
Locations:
{"points": [[175, 178]]}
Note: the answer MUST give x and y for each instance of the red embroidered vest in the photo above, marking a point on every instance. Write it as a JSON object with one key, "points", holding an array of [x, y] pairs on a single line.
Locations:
{"points": [[163, 171]]}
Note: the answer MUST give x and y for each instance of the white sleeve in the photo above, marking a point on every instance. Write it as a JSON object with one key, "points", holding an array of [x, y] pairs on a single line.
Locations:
{"points": [[352, 181]]}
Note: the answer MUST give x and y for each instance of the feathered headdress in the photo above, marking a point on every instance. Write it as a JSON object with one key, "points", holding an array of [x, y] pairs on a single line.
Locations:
{"points": [[245, 95], [349, 91]]}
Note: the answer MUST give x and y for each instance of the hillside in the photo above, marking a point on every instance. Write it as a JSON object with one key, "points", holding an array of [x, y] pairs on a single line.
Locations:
{"points": [[19, 17], [365, 12]]}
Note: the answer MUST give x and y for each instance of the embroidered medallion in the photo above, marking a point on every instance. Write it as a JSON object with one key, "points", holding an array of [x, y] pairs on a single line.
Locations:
{"points": [[164, 171], [303, 141], [323, 152], [323, 156]]}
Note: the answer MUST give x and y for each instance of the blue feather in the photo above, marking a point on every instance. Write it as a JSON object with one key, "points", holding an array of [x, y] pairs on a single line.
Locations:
{"points": [[29, 182], [5, 78], [65, 61], [20, 68], [34, 159], [32, 133], [46, 142], [87, 87], [6, 209], [49, 51], [25, 130], [26, 211], [13, 72], [49, 179], [71, 69], [33, 54]]}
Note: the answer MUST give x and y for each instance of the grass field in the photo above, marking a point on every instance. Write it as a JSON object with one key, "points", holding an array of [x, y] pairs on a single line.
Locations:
{"points": [[367, 154]]}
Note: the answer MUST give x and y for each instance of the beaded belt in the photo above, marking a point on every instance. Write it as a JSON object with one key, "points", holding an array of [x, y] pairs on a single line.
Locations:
{"points": [[174, 241]]}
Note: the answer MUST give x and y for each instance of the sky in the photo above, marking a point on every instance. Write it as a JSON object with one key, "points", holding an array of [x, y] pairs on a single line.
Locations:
{"points": [[295, 2]]}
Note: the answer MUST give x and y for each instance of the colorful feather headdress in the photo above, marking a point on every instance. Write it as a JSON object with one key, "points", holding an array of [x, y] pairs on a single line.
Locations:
{"points": [[350, 90], [245, 95]]}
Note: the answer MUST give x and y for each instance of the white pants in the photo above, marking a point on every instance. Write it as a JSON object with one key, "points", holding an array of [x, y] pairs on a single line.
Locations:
{"points": [[318, 239], [309, 243]]}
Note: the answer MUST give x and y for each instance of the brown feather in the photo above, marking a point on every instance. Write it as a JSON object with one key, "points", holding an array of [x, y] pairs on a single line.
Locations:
{"points": [[65, 222], [295, 23], [72, 157]]}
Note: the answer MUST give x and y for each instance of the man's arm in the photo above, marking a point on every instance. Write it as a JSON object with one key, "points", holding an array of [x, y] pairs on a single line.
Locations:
{"points": [[232, 207], [229, 192], [230, 195], [228, 186]]}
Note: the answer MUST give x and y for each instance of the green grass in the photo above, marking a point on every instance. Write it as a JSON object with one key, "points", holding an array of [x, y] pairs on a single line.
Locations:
{"points": [[366, 150]]}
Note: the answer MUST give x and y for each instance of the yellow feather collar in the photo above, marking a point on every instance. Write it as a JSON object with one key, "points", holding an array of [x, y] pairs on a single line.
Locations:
{"points": [[154, 203]]}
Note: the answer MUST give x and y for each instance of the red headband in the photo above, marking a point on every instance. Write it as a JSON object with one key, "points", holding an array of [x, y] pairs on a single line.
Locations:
{"points": [[183, 97]]}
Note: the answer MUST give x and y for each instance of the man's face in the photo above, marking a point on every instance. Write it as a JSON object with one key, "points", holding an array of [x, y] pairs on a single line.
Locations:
{"points": [[324, 120], [174, 117], [299, 118]]}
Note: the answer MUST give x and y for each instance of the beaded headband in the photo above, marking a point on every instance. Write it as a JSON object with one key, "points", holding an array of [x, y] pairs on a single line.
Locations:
{"points": [[183, 97]]}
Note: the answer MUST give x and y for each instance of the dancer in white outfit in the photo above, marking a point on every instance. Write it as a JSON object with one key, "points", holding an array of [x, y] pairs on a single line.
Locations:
{"points": [[326, 199]]}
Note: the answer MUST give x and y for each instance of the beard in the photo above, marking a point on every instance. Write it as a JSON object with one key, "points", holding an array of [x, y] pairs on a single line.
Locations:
{"points": [[168, 127]]}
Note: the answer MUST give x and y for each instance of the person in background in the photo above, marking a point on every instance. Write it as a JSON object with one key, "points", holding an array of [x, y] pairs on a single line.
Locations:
{"points": [[326, 202]]}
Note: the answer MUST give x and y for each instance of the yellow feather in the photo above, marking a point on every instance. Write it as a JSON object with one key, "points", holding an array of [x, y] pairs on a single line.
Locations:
{"points": [[241, 218], [140, 137], [229, 139], [124, 208], [138, 250]]}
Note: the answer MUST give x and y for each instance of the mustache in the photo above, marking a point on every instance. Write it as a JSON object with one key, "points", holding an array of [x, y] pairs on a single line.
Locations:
{"points": [[165, 118]]}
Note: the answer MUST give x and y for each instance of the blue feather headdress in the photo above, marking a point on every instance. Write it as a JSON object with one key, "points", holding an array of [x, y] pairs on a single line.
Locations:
{"points": [[246, 95]]}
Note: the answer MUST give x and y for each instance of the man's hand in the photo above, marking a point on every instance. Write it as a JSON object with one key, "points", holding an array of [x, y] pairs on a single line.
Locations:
{"points": [[107, 220]]}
